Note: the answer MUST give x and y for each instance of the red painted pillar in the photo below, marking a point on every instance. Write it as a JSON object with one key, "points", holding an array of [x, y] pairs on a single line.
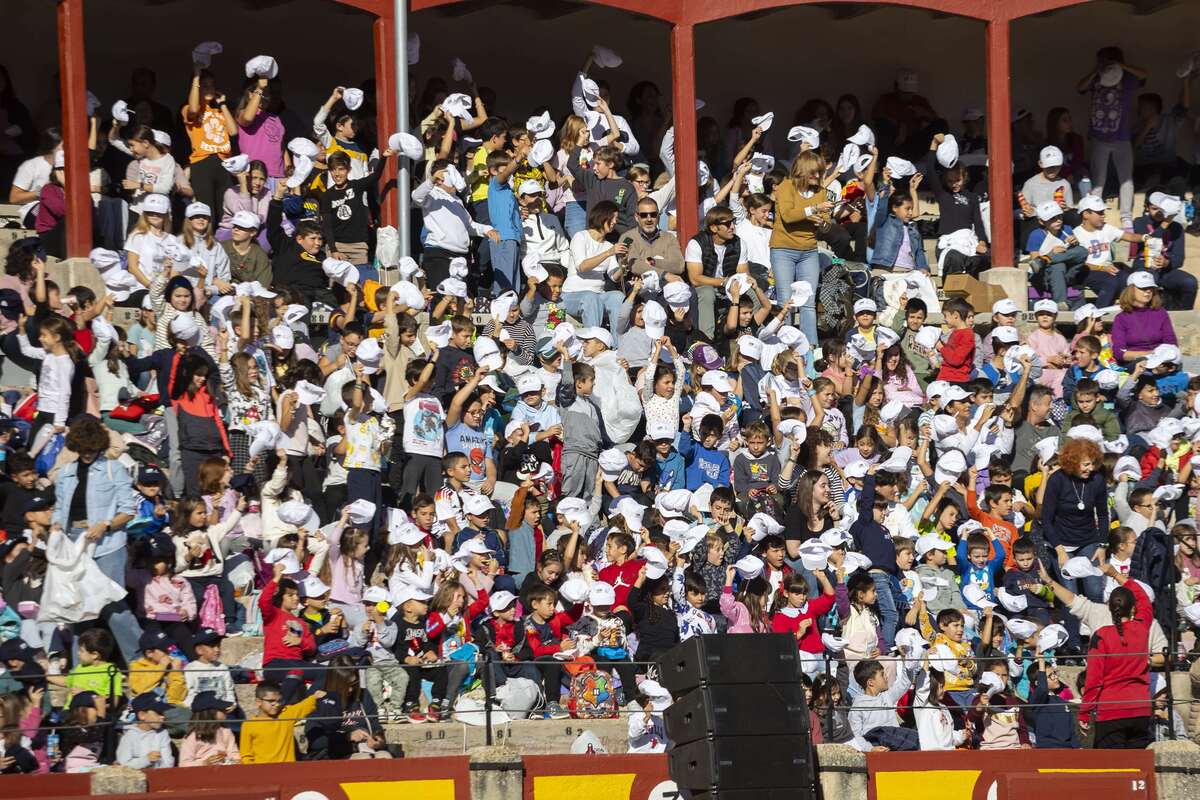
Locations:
{"points": [[72, 67], [385, 106], [683, 100], [999, 101]]}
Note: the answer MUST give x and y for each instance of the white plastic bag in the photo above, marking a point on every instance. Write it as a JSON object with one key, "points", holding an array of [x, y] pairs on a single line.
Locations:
{"points": [[619, 402], [387, 247]]}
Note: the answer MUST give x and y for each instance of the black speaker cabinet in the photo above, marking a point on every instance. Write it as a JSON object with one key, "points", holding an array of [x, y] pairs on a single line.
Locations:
{"points": [[762, 709], [722, 659], [742, 762]]}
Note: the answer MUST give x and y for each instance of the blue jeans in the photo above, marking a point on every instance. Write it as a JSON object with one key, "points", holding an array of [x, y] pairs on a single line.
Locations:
{"points": [[505, 266], [885, 601], [798, 265], [574, 218], [1092, 588], [590, 307], [1106, 286]]}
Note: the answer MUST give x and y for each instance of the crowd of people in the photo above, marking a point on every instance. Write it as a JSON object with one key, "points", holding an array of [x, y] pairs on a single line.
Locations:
{"points": [[530, 460]]}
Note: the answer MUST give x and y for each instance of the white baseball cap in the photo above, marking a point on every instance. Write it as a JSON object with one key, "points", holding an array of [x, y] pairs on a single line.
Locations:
{"points": [[1048, 210], [931, 541], [477, 505], [156, 204], [1005, 307], [1142, 279], [1045, 307], [1050, 156], [197, 209], [596, 333], [1089, 202], [864, 305], [717, 379], [501, 600]]}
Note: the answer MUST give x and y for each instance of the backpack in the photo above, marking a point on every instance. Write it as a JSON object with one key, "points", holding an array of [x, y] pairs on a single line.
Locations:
{"points": [[835, 298], [592, 695], [212, 612]]}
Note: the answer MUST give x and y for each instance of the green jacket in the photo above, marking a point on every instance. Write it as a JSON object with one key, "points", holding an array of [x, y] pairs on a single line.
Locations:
{"points": [[922, 367], [1106, 421]]}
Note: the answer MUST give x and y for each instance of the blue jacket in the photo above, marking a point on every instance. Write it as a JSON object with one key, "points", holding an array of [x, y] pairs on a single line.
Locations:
{"points": [[985, 576], [871, 538], [703, 465], [109, 492], [1053, 724], [490, 538], [888, 230], [671, 471]]}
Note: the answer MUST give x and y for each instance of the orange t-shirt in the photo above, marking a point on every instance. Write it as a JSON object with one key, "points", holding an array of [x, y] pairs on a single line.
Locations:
{"points": [[1005, 531], [210, 137]]}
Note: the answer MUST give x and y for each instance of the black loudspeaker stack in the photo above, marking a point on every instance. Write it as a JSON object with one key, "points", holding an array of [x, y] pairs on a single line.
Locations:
{"points": [[739, 721]]}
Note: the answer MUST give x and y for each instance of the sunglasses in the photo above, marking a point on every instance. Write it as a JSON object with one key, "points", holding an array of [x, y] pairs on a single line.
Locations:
{"points": [[647, 214]]}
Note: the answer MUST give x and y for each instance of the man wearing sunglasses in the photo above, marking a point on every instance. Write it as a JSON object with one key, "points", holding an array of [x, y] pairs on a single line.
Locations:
{"points": [[712, 257], [652, 249]]}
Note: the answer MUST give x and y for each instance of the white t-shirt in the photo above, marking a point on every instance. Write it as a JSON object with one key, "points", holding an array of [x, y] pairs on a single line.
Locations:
{"points": [[32, 175], [150, 251], [583, 247], [693, 255], [1099, 243], [424, 426]]}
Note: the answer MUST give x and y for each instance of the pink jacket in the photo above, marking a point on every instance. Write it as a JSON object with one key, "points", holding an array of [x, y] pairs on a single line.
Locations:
{"points": [[737, 613], [235, 201], [195, 753], [170, 596], [345, 574]]}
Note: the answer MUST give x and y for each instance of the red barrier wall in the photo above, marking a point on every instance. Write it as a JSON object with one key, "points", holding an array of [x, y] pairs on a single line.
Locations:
{"points": [[969, 775], [427, 778]]}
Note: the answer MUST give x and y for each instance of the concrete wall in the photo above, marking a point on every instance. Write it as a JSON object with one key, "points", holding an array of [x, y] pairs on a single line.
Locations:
{"points": [[528, 52]]}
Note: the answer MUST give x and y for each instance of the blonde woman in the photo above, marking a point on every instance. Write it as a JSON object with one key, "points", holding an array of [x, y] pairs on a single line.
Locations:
{"points": [[802, 208]]}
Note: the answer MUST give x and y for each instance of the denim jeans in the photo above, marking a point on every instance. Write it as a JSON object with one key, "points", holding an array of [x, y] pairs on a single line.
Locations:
{"points": [[574, 217], [885, 601], [1092, 588], [1062, 273], [505, 266], [590, 308], [1106, 286], [798, 265]]}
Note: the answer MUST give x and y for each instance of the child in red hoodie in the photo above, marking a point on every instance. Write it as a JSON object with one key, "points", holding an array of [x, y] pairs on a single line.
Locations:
{"points": [[287, 642], [958, 353], [1117, 691], [800, 616]]}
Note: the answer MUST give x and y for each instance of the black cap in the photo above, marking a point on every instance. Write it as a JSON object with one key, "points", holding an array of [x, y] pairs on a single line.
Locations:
{"points": [[149, 701], [206, 636], [150, 475], [83, 700], [154, 640], [39, 502], [15, 650], [7, 546], [31, 675], [208, 701]]}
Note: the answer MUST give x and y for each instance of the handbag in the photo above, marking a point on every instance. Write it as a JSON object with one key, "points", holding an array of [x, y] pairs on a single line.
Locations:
{"points": [[49, 454]]}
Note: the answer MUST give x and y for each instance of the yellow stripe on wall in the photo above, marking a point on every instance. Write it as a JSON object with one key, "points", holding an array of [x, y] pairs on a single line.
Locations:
{"points": [[592, 787], [944, 784], [439, 789]]}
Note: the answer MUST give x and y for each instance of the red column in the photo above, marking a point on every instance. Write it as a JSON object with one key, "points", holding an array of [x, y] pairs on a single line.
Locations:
{"points": [[999, 112], [385, 107], [683, 89], [72, 67]]}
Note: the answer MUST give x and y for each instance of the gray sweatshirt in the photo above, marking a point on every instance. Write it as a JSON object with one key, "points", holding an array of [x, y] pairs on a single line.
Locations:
{"points": [[136, 746]]}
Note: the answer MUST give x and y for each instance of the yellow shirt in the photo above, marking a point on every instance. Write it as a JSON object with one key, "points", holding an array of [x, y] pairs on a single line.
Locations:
{"points": [[146, 676], [271, 741], [477, 175]]}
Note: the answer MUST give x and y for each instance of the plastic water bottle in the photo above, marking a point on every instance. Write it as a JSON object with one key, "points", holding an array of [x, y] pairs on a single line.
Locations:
{"points": [[1085, 186], [52, 746]]}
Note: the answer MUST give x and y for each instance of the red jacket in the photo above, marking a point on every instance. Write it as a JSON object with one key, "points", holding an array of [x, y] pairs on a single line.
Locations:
{"points": [[958, 356], [1118, 678], [810, 641], [277, 623]]}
